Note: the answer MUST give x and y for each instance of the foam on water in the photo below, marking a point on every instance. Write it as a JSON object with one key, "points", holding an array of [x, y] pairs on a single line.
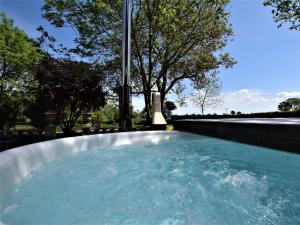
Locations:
{"points": [[181, 181]]}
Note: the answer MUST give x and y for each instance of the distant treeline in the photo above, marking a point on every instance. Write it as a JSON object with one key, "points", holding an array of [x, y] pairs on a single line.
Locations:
{"points": [[250, 115]]}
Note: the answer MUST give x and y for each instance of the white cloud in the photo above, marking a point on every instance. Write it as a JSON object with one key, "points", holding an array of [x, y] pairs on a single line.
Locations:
{"points": [[286, 95], [244, 100]]}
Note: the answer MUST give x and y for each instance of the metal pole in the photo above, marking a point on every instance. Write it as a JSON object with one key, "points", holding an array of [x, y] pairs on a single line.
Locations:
{"points": [[125, 89]]}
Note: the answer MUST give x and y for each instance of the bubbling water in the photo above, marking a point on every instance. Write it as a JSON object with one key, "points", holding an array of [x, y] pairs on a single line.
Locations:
{"points": [[191, 180]]}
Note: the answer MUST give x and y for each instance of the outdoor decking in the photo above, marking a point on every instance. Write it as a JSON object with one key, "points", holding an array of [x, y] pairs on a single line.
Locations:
{"points": [[278, 133]]}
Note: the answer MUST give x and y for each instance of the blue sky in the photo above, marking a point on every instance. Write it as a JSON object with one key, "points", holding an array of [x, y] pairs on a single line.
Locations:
{"points": [[268, 68], [268, 57]]}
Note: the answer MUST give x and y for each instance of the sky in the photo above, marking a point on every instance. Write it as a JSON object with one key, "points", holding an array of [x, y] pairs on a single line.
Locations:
{"points": [[268, 58]]}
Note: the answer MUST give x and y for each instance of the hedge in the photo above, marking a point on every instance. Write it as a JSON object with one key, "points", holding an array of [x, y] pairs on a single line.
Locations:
{"points": [[250, 115]]}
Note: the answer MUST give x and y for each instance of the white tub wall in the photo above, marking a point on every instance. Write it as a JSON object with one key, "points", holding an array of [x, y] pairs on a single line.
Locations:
{"points": [[17, 163]]}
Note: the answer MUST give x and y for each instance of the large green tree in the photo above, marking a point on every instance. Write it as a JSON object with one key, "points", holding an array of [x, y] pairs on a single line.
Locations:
{"points": [[19, 56], [291, 104], [171, 40], [285, 11], [18, 53]]}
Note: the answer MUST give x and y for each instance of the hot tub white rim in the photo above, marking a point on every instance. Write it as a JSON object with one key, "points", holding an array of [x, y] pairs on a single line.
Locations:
{"points": [[17, 163]]}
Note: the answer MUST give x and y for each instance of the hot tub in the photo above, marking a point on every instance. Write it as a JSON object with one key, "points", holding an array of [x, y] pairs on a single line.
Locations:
{"points": [[153, 177]]}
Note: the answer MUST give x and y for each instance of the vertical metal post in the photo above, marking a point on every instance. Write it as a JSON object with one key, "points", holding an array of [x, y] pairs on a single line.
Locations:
{"points": [[125, 89]]}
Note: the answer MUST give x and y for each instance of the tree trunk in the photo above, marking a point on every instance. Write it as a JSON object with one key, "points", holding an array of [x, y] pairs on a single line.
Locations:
{"points": [[147, 98], [162, 99], [67, 130]]}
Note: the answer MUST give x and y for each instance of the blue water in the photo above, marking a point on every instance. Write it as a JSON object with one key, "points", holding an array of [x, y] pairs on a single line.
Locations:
{"points": [[189, 180]]}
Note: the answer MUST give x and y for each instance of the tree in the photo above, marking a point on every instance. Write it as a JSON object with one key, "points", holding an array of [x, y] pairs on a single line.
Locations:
{"points": [[19, 56], [69, 88], [36, 110], [168, 108], [9, 110], [107, 114], [207, 93], [291, 104], [232, 112], [138, 118], [171, 40], [18, 53], [285, 11]]}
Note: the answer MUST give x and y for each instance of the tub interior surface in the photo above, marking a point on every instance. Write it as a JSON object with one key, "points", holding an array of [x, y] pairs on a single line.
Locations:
{"points": [[188, 179]]}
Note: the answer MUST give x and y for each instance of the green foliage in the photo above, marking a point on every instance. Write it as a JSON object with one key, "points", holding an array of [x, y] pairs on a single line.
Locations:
{"points": [[9, 110], [36, 111], [19, 56], [169, 106], [18, 53], [242, 115], [285, 11], [138, 118], [109, 114], [291, 104], [171, 40]]}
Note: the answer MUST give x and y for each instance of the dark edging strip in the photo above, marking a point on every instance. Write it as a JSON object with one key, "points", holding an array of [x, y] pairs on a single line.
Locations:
{"points": [[278, 136]]}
